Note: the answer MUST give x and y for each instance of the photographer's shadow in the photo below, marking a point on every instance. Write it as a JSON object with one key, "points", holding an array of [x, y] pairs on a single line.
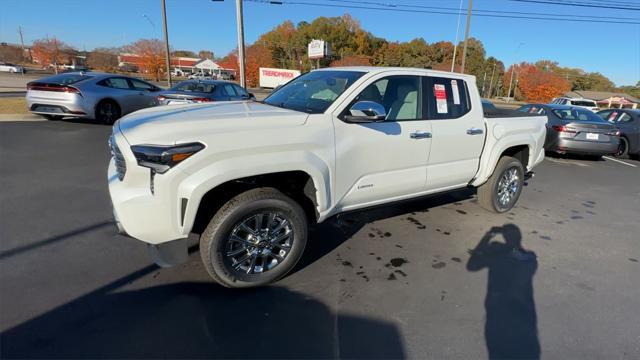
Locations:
{"points": [[511, 330]]}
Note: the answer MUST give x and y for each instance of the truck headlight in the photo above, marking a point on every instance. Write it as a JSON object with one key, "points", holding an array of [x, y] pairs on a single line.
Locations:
{"points": [[162, 158]]}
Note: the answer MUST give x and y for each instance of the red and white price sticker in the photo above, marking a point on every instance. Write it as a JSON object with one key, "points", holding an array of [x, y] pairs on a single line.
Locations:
{"points": [[441, 98]]}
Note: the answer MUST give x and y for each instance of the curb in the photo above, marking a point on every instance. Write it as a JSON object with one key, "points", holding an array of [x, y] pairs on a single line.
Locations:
{"points": [[20, 117]]}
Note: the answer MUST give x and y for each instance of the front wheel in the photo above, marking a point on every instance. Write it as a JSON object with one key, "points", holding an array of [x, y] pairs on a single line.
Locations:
{"points": [[501, 192], [254, 239]]}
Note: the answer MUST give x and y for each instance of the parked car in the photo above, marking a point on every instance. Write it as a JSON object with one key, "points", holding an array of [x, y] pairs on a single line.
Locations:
{"points": [[250, 176], [579, 102], [628, 122], [200, 76], [101, 96], [576, 130], [11, 68], [487, 105], [196, 91]]}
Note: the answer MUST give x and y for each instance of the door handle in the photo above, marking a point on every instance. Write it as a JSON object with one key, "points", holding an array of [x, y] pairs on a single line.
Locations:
{"points": [[474, 131], [420, 135]]}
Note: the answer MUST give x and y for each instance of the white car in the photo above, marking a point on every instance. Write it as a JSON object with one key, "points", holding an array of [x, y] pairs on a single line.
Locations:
{"points": [[11, 68], [578, 102], [200, 76], [251, 176]]}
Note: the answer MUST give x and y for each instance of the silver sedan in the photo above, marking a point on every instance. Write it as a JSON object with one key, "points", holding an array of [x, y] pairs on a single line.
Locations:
{"points": [[101, 96]]}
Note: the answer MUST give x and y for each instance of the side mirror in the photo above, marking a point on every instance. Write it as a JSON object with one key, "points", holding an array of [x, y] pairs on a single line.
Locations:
{"points": [[366, 112], [252, 96]]}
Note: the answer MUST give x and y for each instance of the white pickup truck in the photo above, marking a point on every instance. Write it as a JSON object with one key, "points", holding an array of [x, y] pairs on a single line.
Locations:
{"points": [[250, 176]]}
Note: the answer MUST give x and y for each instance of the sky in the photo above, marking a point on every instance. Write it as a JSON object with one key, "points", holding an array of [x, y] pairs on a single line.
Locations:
{"points": [[611, 49]]}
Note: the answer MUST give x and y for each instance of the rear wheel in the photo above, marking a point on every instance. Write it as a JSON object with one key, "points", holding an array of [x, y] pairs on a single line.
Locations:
{"points": [[254, 239], [501, 192], [107, 112], [623, 148]]}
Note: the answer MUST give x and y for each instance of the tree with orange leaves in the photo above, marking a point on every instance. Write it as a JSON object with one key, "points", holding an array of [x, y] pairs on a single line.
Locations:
{"points": [[352, 60], [535, 84], [50, 52], [151, 54], [256, 56]]}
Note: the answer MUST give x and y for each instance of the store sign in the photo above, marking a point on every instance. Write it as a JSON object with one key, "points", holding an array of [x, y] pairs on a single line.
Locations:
{"points": [[318, 49]]}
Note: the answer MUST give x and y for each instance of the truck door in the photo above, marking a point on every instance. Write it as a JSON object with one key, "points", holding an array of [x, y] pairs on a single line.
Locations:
{"points": [[458, 131], [382, 161]]}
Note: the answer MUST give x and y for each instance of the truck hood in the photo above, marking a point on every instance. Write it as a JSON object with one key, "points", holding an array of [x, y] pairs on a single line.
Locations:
{"points": [[172, 124]]}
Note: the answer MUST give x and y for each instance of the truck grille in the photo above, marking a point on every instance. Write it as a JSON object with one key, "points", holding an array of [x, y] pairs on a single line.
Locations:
{"points": [[121, 165]]}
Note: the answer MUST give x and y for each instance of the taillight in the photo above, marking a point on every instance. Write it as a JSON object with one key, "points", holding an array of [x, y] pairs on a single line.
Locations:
{"points": [[160, 98], [562, 128], [202, 99], [53, 87], [614, 133]]}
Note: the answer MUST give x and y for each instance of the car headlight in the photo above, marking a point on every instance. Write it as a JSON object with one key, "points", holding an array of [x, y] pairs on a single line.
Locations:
{"points": [[162, 158]]}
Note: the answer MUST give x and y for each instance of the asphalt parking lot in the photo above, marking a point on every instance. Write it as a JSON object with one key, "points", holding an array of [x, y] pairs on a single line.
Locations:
{"points": [[416, 280]]}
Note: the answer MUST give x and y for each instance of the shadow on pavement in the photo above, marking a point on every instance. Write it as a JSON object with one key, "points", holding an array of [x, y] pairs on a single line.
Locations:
{"points": [[197, 320], [511, 330], [330, 234]]}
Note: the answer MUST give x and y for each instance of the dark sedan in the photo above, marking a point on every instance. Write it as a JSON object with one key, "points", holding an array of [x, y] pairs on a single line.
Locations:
{"points": [[576, 130], [628, 122], [198, 91]]}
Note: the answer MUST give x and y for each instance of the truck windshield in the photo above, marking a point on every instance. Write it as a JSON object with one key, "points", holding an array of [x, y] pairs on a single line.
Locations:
{"points": [[313, 92]]}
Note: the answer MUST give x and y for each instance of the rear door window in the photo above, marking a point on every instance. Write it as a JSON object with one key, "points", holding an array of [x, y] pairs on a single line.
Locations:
{"points": [[446, 98], [141, 85], [230, 90], [116, 83]]}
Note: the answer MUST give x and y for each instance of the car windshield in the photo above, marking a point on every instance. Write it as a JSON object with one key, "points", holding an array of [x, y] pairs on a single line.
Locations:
{"points": [[66, 79], [313, 92], [190, 86], [577, 115], [583, 103]]}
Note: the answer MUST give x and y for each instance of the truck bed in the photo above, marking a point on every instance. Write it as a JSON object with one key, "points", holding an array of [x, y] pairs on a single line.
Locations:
{"points": [[505, 113]]}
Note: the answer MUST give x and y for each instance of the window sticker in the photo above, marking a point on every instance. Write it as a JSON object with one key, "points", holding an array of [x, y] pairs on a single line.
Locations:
{"points": [[441, 98], [456, 92]]}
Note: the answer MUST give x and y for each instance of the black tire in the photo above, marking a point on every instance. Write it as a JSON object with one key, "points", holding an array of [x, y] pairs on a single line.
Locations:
{"points": [[51, 117], [488, 192], [245, 208], [107, 112], [623, 148]]}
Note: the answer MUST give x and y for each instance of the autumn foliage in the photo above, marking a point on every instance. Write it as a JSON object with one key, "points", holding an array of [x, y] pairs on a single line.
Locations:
{"points": [[537, 85], [256, 56], [50, 52], [151, 53], [352, 60]]}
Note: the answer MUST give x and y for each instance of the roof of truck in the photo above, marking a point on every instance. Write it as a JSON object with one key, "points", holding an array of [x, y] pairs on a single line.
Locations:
{"points": [[384, 68]]}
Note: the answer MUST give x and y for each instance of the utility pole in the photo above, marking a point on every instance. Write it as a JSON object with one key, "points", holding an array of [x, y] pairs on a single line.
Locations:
{"points": [[240, 23], [455, 45], [166, 41], [513, 68], [491, 82], [466, 36], [484, 81], [22, 44]]}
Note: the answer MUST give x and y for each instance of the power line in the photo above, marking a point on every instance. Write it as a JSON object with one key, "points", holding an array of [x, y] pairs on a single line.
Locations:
{"points": [[475, 11], [395, 9], [581, 4]]}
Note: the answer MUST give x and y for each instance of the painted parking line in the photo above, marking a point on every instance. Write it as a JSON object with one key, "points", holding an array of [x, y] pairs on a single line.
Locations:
{"points": [[620, 161]]}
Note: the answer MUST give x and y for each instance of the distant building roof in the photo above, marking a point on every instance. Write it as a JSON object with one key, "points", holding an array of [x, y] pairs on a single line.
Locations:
{"points": [[601, 95]]}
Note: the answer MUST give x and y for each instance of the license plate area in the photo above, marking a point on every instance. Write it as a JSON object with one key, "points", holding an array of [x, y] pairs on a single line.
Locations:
{"points": [[49, 109], [592, 136]]}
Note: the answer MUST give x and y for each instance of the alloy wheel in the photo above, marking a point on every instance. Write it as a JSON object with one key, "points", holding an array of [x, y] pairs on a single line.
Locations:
{"points": [[259, 243], [508, 187]]}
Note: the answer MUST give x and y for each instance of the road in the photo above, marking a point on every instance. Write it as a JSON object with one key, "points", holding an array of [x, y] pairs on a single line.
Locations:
{"points": [[394, 282]]}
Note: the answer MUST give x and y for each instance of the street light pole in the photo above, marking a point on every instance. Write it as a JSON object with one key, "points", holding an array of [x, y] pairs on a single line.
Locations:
{"points": [[240, 23], [466, 36], [166, 41], [455, 45]]}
